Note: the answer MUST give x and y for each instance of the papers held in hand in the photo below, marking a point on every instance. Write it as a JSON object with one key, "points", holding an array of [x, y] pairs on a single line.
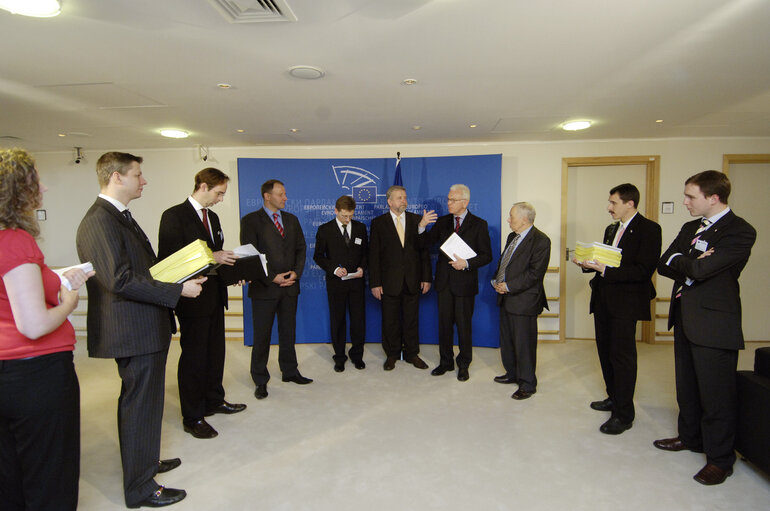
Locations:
{"points": [[455, 245], [186, 263], [86, 267], [250, 265], [599, 252]]}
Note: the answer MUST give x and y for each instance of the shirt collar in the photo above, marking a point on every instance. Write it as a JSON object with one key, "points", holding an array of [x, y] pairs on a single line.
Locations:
{"points": [[270, 213], [719, 215], [115, 202], [197, 205]]}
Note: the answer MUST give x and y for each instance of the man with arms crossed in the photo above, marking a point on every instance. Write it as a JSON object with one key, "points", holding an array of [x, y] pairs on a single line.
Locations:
{"points": [[619, 297], [705, 261], [130, 320], [521, 297], [457, 282], [399, 270], [340, 250], [202, 319], [278, 235]]}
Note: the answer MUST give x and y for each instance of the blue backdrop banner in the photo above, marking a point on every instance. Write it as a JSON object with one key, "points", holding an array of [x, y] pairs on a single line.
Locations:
{"points": [[313, 186]]}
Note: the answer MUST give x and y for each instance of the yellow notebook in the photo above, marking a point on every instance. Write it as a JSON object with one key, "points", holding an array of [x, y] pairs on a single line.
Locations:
{"points": [[185, 263], [605, 254]]}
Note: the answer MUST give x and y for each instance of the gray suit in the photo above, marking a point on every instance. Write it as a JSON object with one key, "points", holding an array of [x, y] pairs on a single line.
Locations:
{"points": [[129, 319]]}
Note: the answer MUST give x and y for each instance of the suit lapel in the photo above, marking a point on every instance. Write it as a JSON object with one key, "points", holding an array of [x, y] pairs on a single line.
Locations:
{"points": [[121, 218]]}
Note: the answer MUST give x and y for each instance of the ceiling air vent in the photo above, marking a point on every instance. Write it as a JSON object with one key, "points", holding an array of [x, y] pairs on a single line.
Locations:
{"points": [[254, 11]]}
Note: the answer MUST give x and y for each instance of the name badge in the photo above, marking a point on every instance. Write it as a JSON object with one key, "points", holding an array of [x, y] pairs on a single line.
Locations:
{"points": [[701, 245], [358, 241]]}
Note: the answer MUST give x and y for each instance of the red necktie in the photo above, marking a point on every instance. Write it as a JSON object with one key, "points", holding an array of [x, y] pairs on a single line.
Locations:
{"points": [[277, 224], [206, 222], [457, 223]]}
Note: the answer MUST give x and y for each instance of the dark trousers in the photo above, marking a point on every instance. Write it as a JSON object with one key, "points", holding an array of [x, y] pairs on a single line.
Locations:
{"points": [[518, 348], [201, 364], [39, 433], [400, 325], [455, 310], [706, 395], [341, 302], [263, 313], [616, 345], [140, 416]]}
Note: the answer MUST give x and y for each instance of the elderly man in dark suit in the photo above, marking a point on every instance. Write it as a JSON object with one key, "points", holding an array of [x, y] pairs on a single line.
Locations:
{"points": [[399, 270], [705, 261], [278, 235], [130, 320], [340, 250], [521, 297], [619, 298], [202, 319], [457, 279]]}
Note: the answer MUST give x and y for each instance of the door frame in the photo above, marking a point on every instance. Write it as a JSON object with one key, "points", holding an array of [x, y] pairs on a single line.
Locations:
{"points": [[652, 164]]}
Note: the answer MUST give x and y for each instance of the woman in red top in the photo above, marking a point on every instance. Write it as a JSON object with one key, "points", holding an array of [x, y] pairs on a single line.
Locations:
{"points": [[39, 392]]}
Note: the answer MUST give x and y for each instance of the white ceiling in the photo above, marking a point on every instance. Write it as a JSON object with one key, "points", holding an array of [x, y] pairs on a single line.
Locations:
{"points": [[109, 73]]}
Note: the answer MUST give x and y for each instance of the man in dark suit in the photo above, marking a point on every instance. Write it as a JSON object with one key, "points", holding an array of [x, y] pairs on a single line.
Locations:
{"points": [[457, 279], [705, 261], [130, 320], [278, 235], [202, 319], [340, 250], [521, 297], [619, 298], [399, 270]]}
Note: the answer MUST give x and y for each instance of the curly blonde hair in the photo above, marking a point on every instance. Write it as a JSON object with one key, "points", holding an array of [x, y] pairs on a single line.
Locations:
{"points": [[19, 191]]}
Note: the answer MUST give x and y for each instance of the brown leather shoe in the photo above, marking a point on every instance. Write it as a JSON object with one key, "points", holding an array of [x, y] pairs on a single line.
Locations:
{"points": [[418, 362], [711, 475], [673, 444], [390, 364], [521, 394]]}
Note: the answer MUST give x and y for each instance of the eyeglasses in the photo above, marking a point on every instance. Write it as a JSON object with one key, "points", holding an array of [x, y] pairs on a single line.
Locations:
{"points": [[455, 200]]}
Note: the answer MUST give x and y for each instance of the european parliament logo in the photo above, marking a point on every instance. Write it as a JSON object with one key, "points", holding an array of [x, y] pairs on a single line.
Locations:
{"points": [[360, 183]]}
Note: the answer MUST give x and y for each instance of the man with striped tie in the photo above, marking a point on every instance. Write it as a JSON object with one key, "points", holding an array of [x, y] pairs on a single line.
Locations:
{"points": [[705, 261], [619, 298], [278, 235]]}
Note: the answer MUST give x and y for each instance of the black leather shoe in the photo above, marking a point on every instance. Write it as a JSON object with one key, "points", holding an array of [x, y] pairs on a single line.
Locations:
{"points": [[462, 374], [227, 408], [162, 497], [504, 379], [614, 426], [297, 378], [200, 429], [390, 364], [418, 362], [520, 395], [439, 370], [339, 367], [359, 364], [674, 444], [603, 406], [167, 465], [261, 392], [711, 475]]}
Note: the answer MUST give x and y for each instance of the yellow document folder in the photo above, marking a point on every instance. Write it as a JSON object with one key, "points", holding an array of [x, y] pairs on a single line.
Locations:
{"points": [[605, 254], [185, 263]]}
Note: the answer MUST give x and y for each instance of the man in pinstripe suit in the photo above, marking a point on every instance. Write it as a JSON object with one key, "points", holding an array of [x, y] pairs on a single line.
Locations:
{"points": [[129, 319]]}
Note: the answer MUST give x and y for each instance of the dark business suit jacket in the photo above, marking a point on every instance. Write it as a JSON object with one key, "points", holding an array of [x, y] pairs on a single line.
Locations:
{"points": [[625, 292], [396, 268], [475, 232], [128, 311], [711, 306], [180, 226], [525, 273], [284, 254], [331, 252]]}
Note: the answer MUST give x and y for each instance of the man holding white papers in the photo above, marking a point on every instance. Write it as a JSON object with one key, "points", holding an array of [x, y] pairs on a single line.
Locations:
{"points": [[457, 278], [619, 298], [521, 296], [340, 250], [201, 319]]}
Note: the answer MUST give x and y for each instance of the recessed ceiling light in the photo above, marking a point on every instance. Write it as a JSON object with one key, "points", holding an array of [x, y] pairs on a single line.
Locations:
{"points": [[576, 125], [174, 133], [473, 126], [35, 8], [659, 120], [239, 131], [224, 85], [62, 134], [409, 81], [416, 127], [306, 72], [294, 130]]}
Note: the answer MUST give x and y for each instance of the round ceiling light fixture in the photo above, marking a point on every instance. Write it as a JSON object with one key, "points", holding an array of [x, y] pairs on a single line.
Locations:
{"points": [[34, 8], [409, 81], [174, 133], [576, 125], [306, 72]]}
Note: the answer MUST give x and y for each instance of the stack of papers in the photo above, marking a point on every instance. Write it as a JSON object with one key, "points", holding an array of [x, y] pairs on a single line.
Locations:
{"points": [[599, 252], [250, 265], [185, 263], [86, 267]]}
